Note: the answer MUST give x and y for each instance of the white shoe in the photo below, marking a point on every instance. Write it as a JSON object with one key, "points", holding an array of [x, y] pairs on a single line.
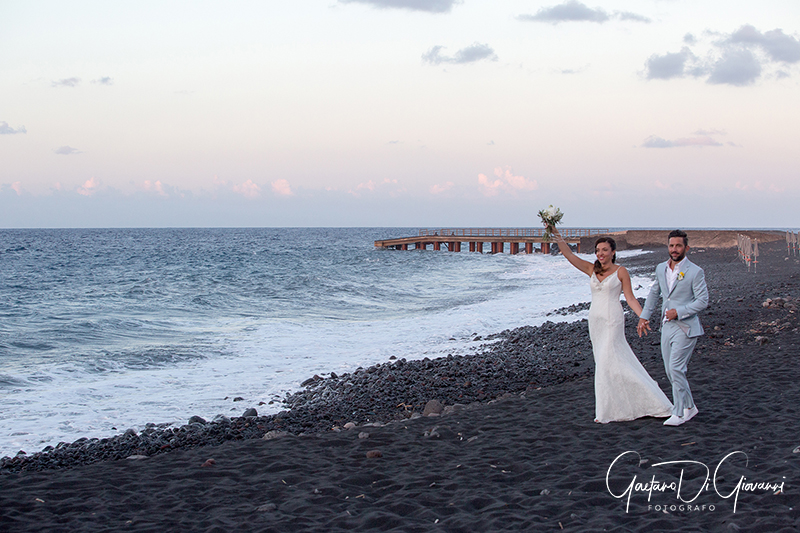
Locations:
{"points": [[674, 420], [688, 414]]}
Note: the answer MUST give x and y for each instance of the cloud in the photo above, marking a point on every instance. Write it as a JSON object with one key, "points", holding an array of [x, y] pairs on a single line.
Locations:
{"points": [[574, 11], [67, 150], [759, 186], [635, 17], [17, 187], [570, 11], [667, 66], [247, 189], [736, 67], [105, 80], [5, 129], [67, 82], [506, 181], [777, 45], [710, 132], [282, 187], [441, 187], [657, 142], [490, 187], [470, 54], [154, 186], [386, 186], [740, 58], [89, 187], [431, 6]]}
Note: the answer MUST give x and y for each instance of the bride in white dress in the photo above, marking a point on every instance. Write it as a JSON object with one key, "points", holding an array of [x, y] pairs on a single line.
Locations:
{"points": [[623, 389]]}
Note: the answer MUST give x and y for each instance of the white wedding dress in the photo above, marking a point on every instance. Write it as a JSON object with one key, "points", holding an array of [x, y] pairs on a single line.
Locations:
{"points": [[623, 389]]}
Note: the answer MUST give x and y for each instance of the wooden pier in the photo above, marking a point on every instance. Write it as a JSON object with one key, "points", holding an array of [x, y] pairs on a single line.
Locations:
{"points": [[519, 239]]}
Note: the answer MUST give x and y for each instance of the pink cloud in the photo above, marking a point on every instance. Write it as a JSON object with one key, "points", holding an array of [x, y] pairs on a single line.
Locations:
{"points": [[515, 182], [662, 186], [490, 187], [156, 187], [441, 187], [17, 187], [89, 187], [759, 186], [282, 187], [657, 142], [247, 189], [507, 181]]}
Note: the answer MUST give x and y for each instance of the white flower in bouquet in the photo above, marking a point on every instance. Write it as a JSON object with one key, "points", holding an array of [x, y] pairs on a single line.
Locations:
{"points": [[550, 217]]}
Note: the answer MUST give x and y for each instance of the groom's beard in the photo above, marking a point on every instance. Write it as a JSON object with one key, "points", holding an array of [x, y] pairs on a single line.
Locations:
{"points": [[678, 259]]}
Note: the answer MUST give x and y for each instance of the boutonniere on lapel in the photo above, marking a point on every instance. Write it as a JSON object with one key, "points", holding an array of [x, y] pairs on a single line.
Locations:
{"points": [[681, 275]]}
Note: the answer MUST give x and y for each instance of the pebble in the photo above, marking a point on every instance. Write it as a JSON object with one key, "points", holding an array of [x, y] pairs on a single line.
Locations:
{"points": [[433, 407], [266, 508], [274, 434], [373, 454]]}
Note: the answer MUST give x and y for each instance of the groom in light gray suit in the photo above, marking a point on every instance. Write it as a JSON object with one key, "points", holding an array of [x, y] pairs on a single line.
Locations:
{"points": [[682, 287]]}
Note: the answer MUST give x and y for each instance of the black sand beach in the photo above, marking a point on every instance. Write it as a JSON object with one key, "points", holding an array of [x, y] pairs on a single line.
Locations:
{"points": [[518, 452]]}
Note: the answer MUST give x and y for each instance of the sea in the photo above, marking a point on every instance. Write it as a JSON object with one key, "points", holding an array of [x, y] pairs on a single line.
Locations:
{"points": [[102, 330]]}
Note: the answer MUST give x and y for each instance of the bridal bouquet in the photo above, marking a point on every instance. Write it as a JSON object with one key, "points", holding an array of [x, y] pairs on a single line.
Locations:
{"points": [[550, 217]]}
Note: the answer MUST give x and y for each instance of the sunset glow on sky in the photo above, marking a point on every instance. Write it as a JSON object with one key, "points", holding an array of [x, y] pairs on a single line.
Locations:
{"points": [[647, 113]]}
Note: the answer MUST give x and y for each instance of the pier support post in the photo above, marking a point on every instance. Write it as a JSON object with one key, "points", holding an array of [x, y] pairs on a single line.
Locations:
{"points": [[528, 247], [514, 248], [437, 246], [545, 247], [456, 246]]}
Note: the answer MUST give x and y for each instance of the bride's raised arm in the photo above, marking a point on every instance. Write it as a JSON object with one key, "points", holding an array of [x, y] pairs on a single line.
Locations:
{"points": [[584, 266]]}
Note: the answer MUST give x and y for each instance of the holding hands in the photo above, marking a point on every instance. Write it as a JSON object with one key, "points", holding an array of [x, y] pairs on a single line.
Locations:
{"points": [[643, 327]]}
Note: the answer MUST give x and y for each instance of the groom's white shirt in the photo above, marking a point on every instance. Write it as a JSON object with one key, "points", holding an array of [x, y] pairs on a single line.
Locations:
{"points": [[672, 274]]}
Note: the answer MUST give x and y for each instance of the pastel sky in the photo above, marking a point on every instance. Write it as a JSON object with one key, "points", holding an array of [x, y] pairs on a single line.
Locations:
{"points": [[420, 113]]}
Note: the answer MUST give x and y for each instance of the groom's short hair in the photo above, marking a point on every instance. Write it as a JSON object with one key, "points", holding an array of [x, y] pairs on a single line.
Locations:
{"points": [[679, 233]]}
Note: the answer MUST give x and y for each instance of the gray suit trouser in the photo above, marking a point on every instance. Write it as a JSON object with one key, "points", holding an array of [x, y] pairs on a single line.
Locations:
{"points": [[676, 349]]}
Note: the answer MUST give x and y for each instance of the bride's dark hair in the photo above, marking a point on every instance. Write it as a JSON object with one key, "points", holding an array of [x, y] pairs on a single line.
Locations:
{"points": [[598, 268]]}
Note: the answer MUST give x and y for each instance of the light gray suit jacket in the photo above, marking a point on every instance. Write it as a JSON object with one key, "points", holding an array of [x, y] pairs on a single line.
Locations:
{"points": [[688, 297]]}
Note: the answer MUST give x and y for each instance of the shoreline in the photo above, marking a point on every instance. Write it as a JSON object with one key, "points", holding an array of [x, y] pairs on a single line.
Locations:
{"points": [[517, 361], [524, 455]]}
